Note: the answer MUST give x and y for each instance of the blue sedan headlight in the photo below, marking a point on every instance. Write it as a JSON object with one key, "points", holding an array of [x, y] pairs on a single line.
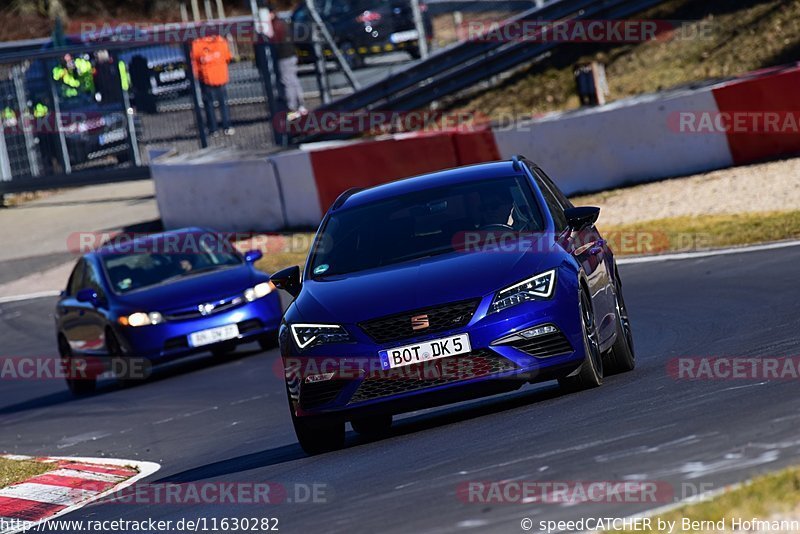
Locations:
{"points": [[311, 335], [260, 291], [537, 287]]}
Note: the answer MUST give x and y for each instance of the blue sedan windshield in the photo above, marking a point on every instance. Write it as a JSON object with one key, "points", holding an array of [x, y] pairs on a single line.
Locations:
{"points": [[422, 224], [136, 270]]}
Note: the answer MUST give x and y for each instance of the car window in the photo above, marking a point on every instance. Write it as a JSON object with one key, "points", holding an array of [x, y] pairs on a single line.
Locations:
{"points": [[92, 280], [553, 204], [562, 198], [76, 279], [422, 224]]}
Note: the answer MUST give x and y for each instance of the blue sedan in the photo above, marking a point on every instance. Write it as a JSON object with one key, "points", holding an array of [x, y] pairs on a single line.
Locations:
{"points": [[155, 298], [444, 287]]}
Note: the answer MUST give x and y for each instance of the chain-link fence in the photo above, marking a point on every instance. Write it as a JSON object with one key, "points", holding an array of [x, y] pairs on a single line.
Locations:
{"points": [[92, 110]]}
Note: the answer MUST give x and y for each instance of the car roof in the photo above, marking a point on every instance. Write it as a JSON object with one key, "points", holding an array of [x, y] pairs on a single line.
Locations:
{"points": [[458, 175], [117, 247]]}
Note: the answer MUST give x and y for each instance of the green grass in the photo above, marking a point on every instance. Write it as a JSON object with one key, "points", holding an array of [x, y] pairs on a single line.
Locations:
{"points": [[290, 249], [744, 35], [764, 498], [685, 234], [13, 471]]}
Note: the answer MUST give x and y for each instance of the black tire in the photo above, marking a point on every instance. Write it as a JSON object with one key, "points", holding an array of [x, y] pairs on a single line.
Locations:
{"points": [[621, 358], [79, 387], [317, 435], [374, 425], [268, 341], [590, 373]]}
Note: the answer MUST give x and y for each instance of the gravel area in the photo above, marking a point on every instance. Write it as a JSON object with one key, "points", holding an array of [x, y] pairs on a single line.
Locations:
{"points": [[773, 186]]}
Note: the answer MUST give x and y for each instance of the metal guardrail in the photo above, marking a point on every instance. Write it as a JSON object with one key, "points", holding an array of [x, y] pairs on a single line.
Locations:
{"points": [[464, 64]]}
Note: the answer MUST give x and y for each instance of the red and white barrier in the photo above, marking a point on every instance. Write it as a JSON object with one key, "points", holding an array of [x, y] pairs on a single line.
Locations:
{"points": [[631, 141]]}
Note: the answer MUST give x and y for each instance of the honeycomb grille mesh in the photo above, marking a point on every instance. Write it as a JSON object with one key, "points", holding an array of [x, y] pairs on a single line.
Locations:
{"points": [[440, 318]]}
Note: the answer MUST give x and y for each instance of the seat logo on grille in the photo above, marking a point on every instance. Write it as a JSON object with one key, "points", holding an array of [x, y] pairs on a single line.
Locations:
{"points": [[420, 322], [206, 309]]}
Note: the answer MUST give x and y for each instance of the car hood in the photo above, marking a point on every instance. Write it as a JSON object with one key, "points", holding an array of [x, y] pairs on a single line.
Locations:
{"points": [[193, 290], [412, 285]]}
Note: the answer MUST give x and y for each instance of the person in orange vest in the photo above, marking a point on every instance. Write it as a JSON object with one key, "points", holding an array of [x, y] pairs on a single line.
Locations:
{"points": [[210, 57]]}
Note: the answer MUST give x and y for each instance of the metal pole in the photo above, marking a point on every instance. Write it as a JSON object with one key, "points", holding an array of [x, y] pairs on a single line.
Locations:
{"points": [[184, 12], [198, 114], [30, 144], [62, 140], [132, 139], [422, 37], [207, 9], [321, 67], [195, 11], [348, 72], [5, 164]]}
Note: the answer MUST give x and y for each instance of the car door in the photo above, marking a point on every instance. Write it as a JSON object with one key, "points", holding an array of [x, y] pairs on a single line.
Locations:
{"points": [[80, 321], [588, 248], [95, 315], [68, 311]]}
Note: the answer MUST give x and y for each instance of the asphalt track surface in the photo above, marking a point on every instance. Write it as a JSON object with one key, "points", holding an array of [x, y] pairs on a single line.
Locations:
{"points": [[228, 422]]}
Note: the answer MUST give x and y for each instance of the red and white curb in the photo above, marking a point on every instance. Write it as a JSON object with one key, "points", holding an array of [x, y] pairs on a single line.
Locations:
{"points": [[74, 483]]}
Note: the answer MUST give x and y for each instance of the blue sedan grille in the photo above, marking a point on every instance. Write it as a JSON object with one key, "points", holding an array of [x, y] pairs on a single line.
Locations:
{"points": [[204, 309]]}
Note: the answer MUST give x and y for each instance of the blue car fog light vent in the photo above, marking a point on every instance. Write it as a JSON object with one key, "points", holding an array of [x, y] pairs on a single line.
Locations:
{"points": [[538, 331], [540, 341]]}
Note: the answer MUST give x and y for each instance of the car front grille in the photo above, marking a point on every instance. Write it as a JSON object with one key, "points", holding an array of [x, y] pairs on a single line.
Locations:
{"points": [[476, 364], [401, 326], [318, 393], [543, 346], [193, 312]]}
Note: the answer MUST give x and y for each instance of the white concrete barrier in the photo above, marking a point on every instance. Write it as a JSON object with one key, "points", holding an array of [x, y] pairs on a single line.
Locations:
{"points": [[230, 195], [626, 142]]}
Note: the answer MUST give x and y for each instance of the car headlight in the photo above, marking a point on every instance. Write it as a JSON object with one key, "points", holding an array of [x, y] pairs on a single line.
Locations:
{"points": [[537, 287], [260, 291], [311, 335], [141, 319]]}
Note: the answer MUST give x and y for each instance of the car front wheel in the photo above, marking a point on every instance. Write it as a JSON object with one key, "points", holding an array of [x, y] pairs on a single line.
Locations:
{"points": [[590, 373], [79, 382], [318, 434]]}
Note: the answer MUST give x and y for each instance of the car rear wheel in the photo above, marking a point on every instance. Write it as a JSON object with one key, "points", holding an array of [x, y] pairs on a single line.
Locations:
{"points": [[590, 373], [78, 385], [621, 357], [374, 425]]}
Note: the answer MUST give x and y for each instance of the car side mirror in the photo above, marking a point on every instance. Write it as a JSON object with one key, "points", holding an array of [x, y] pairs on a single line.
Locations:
{"points": [[252, 256], [288, 279], [87, 295], [580, 218]]}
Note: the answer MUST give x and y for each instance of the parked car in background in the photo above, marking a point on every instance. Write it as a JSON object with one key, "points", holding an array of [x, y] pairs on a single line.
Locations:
{"points": [[163, 297], [362, 28]]}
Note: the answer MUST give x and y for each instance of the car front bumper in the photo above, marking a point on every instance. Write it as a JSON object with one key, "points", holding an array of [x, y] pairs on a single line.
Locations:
{"points": [[347, 379]]}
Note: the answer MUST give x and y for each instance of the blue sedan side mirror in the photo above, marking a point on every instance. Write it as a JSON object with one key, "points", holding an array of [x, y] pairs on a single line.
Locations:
{"points": [[252, 256], [87, 295]]}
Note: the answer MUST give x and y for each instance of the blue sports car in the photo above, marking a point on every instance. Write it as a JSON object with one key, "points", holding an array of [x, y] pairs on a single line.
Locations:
{"points": [[155, 298], [445, 287]]}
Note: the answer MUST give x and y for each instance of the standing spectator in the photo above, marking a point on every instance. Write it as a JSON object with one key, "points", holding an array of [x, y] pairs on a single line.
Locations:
{"points": [[283, 41], [210, 58]]}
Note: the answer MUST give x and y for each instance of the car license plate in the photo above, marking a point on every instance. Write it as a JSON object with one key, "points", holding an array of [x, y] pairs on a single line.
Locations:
{"points": [[172, 75], [402, 37], [426, 351], [112, 136], [213, 335]]}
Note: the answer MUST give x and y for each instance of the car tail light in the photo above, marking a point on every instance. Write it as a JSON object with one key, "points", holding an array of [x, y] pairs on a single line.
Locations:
{"points": [[368, 17]]}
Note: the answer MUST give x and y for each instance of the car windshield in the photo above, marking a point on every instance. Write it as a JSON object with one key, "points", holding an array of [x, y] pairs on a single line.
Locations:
{"points": [[161, 264], [422, 224]]}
